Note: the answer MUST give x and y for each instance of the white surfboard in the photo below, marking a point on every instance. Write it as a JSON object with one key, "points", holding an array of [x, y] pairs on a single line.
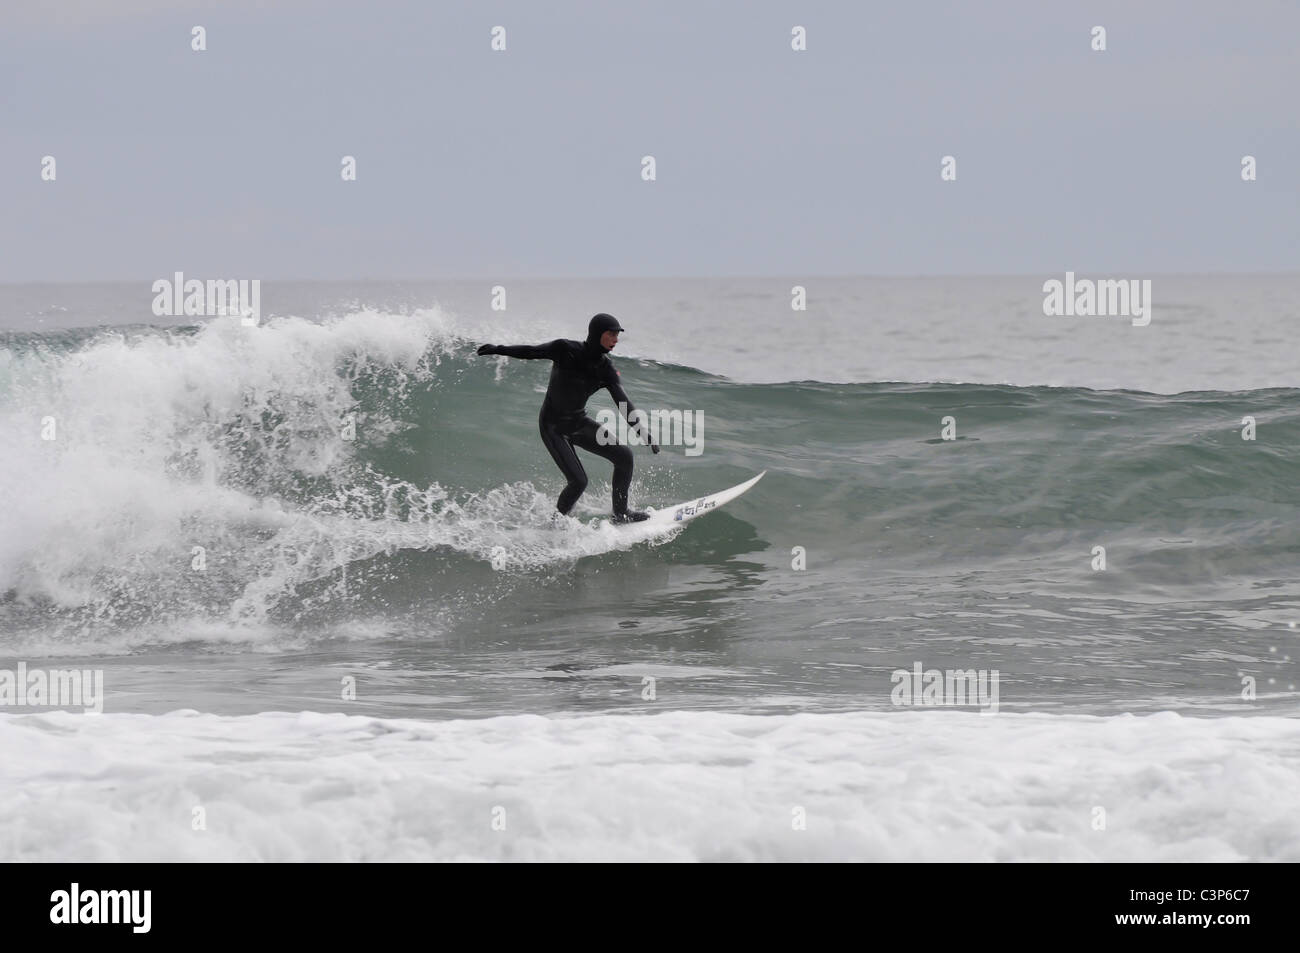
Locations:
{"points": [[689, 510]]}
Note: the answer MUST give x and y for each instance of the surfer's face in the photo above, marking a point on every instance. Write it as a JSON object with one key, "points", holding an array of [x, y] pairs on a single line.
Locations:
{"points": [[608, 340]]}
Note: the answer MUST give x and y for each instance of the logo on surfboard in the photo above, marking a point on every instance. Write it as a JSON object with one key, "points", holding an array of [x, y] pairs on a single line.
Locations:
{"points": [[690, 509]]}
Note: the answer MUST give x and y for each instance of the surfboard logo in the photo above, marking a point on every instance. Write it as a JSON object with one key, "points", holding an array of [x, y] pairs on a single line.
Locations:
{"points": [[690, 509], [681, 512]]}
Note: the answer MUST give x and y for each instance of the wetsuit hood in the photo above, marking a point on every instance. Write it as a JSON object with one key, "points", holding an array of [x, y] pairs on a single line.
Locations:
{"points": [[598, 326]]}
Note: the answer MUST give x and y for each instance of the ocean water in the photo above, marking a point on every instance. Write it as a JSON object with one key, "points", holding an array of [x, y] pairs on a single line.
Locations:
{"points": [[232, 522]]}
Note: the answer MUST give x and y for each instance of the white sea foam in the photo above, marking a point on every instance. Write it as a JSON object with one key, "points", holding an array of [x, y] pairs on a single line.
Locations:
{"points": [[138, 438], [677, 786]]}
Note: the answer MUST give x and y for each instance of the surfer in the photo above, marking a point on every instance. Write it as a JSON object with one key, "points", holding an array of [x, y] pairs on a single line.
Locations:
{"points": [[578, 370]]}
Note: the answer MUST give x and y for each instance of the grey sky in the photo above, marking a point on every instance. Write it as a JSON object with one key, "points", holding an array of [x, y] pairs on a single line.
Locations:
{"points": [[770, 162]]}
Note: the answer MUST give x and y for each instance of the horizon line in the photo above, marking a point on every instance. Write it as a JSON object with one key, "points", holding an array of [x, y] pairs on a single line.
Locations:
{"points": [[666, 277]]}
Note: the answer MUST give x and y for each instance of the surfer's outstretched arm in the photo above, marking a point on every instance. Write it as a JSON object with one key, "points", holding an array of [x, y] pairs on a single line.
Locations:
{"points": [[621, 399], [529, 352]]}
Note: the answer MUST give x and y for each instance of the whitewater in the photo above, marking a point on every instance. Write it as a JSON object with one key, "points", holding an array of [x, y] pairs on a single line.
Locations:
{"points": [[682, 786]]}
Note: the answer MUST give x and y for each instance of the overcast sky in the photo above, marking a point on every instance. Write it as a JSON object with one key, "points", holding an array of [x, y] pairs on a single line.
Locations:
{"points": [[470, 163]]}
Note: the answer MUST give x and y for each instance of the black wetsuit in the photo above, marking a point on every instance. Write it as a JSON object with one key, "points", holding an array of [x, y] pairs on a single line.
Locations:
{"points": [[579, 370]]}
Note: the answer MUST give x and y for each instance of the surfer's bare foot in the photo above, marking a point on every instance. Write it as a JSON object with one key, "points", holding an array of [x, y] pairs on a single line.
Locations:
{"points": [[631, 516]]}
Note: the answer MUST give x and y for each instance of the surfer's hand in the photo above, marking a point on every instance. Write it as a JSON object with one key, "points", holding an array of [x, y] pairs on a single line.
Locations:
{"points": [[654, 447], [487, 349]]}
